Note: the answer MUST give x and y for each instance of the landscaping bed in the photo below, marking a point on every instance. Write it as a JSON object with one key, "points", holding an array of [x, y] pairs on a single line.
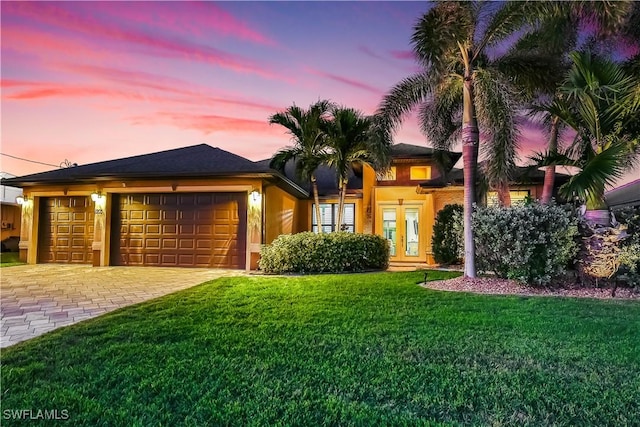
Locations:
{"points": [[496, 286]]}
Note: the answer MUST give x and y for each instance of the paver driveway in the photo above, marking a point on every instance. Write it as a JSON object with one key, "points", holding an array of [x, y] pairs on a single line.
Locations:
{"points": [[39, 298]]}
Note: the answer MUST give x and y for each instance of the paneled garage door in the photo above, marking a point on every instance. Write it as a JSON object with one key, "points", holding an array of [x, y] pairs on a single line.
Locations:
{"points": [[180, 229], [66, 231]]}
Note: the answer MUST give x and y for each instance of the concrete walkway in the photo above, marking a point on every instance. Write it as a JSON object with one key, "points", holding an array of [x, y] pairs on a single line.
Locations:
{"points": [[35, 299]]}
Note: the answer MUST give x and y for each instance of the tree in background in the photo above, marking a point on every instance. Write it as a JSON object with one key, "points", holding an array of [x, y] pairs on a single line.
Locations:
{"points": [[309, 149], [352, 138]]}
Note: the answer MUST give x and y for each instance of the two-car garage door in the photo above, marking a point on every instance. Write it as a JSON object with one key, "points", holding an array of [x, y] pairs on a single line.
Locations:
{"points": [[179, 229], [174, 229]]}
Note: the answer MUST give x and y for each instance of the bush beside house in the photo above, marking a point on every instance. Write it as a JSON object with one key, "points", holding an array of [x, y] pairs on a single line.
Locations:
{"points": [[532, 243], [338, 252]]}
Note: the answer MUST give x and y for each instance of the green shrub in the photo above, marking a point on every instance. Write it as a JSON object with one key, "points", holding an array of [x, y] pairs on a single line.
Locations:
{"points": [[531, 244], [448, 247], [324, 253], [630, 247]]}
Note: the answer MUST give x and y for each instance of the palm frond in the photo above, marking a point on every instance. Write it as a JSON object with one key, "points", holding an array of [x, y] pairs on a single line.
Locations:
{"points": [[403, 97], [441, 117], [496, 107], [440, 30], [507, 20], [601, 170]]}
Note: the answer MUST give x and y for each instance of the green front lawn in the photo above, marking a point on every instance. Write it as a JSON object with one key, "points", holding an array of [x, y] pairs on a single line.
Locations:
{"points": [[360, 349], [9, 259]]}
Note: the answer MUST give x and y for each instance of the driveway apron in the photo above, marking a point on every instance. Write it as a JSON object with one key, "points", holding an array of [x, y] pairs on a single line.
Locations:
{"points": [[40, 298]]}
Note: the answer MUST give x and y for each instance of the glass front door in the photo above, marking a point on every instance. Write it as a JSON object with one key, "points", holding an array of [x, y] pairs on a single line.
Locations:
{"points": [[400, 225]]}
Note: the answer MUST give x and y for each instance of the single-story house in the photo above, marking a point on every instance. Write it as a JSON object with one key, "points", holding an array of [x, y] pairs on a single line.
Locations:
{"points": [[625, 196], [10, 211], [201, 206]]}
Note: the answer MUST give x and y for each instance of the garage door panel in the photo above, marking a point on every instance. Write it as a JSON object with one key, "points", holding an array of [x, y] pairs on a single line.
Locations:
{"points": [[66, 231], [152, 243], [169, 215], [170, 243], [168, 259], [169, 229], [151, 229], [190, 229], [153, 215]]}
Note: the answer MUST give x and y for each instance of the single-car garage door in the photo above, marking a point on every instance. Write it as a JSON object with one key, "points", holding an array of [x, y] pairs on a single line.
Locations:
{"points": [[180, 229], [66, 231]]}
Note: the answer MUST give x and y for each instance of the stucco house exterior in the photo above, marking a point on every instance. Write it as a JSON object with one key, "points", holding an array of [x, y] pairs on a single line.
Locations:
{"points": [[9, 209], [201, 206]]}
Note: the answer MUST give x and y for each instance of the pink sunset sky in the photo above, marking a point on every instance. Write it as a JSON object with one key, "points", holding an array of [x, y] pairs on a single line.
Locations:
{"points": [[93, 81]]}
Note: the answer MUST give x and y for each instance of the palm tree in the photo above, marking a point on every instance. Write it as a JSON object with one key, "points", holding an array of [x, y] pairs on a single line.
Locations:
{"points": [[565, 26], [469, 79], [353, 138], [604, 106], [309, 149]]}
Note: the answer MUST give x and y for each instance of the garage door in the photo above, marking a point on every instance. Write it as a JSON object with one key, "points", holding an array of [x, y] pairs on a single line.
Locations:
{"points": [[66, 230], [183, 230]]}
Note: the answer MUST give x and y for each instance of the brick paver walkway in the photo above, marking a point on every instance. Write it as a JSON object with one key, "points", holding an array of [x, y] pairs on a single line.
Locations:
{"points": [[35, 299]]}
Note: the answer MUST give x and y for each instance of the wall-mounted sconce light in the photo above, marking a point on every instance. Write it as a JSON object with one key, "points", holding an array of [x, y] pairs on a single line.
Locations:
{"points": [[255, 196], [95, 196], [21, 200]]}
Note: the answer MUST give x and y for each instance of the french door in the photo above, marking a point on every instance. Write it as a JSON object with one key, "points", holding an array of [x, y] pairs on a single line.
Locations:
{"points": [[401, 226]]}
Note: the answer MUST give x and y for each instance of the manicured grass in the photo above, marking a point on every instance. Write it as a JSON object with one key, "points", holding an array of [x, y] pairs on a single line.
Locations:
{"points": [[9, 259], [361, 349]]}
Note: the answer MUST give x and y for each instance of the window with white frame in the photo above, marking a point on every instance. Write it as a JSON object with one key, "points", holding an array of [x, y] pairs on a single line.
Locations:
{"points": [[329, 216]]}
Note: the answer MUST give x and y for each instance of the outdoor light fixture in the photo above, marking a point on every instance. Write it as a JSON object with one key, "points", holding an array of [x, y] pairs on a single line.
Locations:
{"points": [[255, 195], [21, 200], [96, 196]]}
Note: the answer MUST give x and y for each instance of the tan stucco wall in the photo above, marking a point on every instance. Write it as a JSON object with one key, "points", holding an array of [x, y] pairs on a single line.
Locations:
{"points": [[281, 213]]}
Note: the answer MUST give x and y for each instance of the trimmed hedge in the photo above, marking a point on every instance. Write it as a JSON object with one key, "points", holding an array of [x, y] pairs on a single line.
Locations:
{"points": [[531, 244], [337, 252]]}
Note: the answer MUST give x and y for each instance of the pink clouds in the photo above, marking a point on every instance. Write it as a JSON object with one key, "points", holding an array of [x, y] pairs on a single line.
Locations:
{"points": [[205, 123], [158, 43], [403, 54], [197, 18], [345, 80]]}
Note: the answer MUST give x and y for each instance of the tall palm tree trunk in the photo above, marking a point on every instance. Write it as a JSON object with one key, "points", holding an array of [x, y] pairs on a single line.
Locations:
{"points": [[316, 199], [470, 142], [550, 171], [504, 196], [343, 192]]}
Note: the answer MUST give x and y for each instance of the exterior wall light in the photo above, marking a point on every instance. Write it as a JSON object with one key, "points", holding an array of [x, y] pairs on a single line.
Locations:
{"points": [[96, 196], [255, 196], [21, 200]]}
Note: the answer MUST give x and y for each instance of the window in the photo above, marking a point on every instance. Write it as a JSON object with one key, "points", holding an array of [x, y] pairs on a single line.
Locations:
{"points": [[517, 197], [329, 215], [420, 173], [389, 176]]}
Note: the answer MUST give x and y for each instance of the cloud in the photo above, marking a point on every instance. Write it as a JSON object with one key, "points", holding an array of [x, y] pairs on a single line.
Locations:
{"points": [[345, 80], [371, 53], [62, 19], [129, 86], [205, 123], [197, 95], [198, 18], [403, 54]]}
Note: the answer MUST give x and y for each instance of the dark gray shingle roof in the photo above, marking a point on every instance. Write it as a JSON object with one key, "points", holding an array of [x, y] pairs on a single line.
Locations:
{"points": [[196, 160]]}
